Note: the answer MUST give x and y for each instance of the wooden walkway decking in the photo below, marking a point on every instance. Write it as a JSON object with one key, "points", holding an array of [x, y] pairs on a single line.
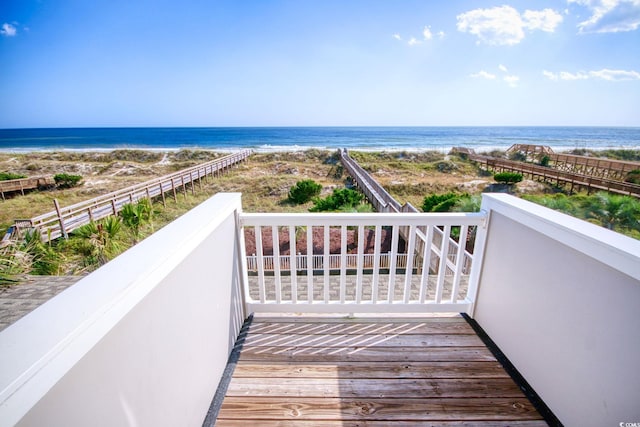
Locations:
{"points": [[305, 371]]}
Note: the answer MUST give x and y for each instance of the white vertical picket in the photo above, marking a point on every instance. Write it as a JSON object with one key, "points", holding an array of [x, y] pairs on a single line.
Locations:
{"points": [[393, 262], [360, 264], [442, 268], [464, 230], [275, 239], [258, 237], [293, 268]]}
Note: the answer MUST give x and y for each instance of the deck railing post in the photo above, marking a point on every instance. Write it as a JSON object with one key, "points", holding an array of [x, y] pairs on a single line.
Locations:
{"points": [[63, 230]]}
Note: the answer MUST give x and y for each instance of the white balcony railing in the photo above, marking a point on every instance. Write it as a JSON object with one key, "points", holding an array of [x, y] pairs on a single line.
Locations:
{"points": [[378, 267]]}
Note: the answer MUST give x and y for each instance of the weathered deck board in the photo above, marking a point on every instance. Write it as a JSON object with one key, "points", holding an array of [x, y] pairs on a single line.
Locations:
{"points": [[370, 372], [352, 340], [437, 409], [395, 370], [380, 388]]}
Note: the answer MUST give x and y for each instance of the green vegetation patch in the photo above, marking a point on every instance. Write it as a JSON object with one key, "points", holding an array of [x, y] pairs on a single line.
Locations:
{"points": [[304, 191], [7, 176]]}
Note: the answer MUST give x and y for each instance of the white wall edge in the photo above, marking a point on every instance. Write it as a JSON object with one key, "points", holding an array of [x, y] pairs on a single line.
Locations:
{"points": [[614, 249], [37, 350]]}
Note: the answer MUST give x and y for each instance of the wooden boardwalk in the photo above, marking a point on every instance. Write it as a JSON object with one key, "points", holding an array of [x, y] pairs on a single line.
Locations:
{"points": [[63, 220], [22, 184], [577, 172], [305, 371]]}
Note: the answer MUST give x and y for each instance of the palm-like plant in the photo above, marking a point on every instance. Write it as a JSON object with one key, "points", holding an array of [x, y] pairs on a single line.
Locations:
{"points": [[101, 239], [614, 210], [134, 216]]}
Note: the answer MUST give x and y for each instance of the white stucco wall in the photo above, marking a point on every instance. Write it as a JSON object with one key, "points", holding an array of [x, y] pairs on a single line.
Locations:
{"points": [[148, 337], [561, 298]]}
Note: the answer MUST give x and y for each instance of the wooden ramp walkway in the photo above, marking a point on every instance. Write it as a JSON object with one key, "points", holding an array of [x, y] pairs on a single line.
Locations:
{"points": [[370, 372]]}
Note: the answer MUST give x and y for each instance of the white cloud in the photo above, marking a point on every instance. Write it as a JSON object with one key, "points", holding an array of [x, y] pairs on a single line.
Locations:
{"points": [[615, 75], [610, 16], [8, 30], [427, 33], [502, 68], [544, 20], [495, 26], [483, 74], [604, 74], [504, 25]]}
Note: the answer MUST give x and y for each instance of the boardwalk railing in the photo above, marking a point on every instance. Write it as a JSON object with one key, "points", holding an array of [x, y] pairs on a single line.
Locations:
{"points": [[22, 184], [63, 220], [382, 281], [575, 171], [373, 191]]}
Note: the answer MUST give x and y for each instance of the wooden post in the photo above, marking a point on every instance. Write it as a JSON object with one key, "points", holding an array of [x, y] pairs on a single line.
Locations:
{"points": [[90, 214], [191, 180], [113, 206], [184, 187], [173, 187], [164, 202], [62, 228]]}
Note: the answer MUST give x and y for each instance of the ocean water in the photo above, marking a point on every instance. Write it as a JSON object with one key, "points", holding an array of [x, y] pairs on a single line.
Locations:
{"points": [[329, 138]]}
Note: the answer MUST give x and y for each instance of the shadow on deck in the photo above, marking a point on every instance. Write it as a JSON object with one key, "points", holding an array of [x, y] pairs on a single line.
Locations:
{"points": [[313, 371]]}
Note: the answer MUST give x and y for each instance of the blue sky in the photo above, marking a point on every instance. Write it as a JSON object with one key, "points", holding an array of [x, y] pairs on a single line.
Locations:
{"points": [[319, 63]]}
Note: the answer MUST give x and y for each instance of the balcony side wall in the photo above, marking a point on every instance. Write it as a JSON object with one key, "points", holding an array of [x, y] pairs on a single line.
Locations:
{"points": [[161, 362], [567, 321]]}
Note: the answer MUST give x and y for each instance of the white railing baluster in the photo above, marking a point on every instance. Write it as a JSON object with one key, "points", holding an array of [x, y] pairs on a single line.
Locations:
{"points": [[343, 263], [275, 239], [464, 230], [393, 255], [261, 286], [409, 264], [310, 263], [426, 264], [360, 264], [293, 267], [376, 264], [325, 262], [442, 268]]}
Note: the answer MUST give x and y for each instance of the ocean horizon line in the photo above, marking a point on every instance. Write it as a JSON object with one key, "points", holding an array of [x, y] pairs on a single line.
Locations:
{"points": [[274, 139]]}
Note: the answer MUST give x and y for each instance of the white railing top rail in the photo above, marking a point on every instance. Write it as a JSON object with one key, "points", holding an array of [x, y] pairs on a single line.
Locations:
{"points": [[337, 219]]}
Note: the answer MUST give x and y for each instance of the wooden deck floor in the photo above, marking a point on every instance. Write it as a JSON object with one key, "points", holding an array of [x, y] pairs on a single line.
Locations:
{"points": [[370, 372]]}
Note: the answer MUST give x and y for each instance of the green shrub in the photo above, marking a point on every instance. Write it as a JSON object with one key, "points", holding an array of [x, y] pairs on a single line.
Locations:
{"points": [[544, 161], [304, 191], [508, 177], [64, 180], [633, 177], [6, 176], [518, 156], [341, 199], [440, 202]]}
